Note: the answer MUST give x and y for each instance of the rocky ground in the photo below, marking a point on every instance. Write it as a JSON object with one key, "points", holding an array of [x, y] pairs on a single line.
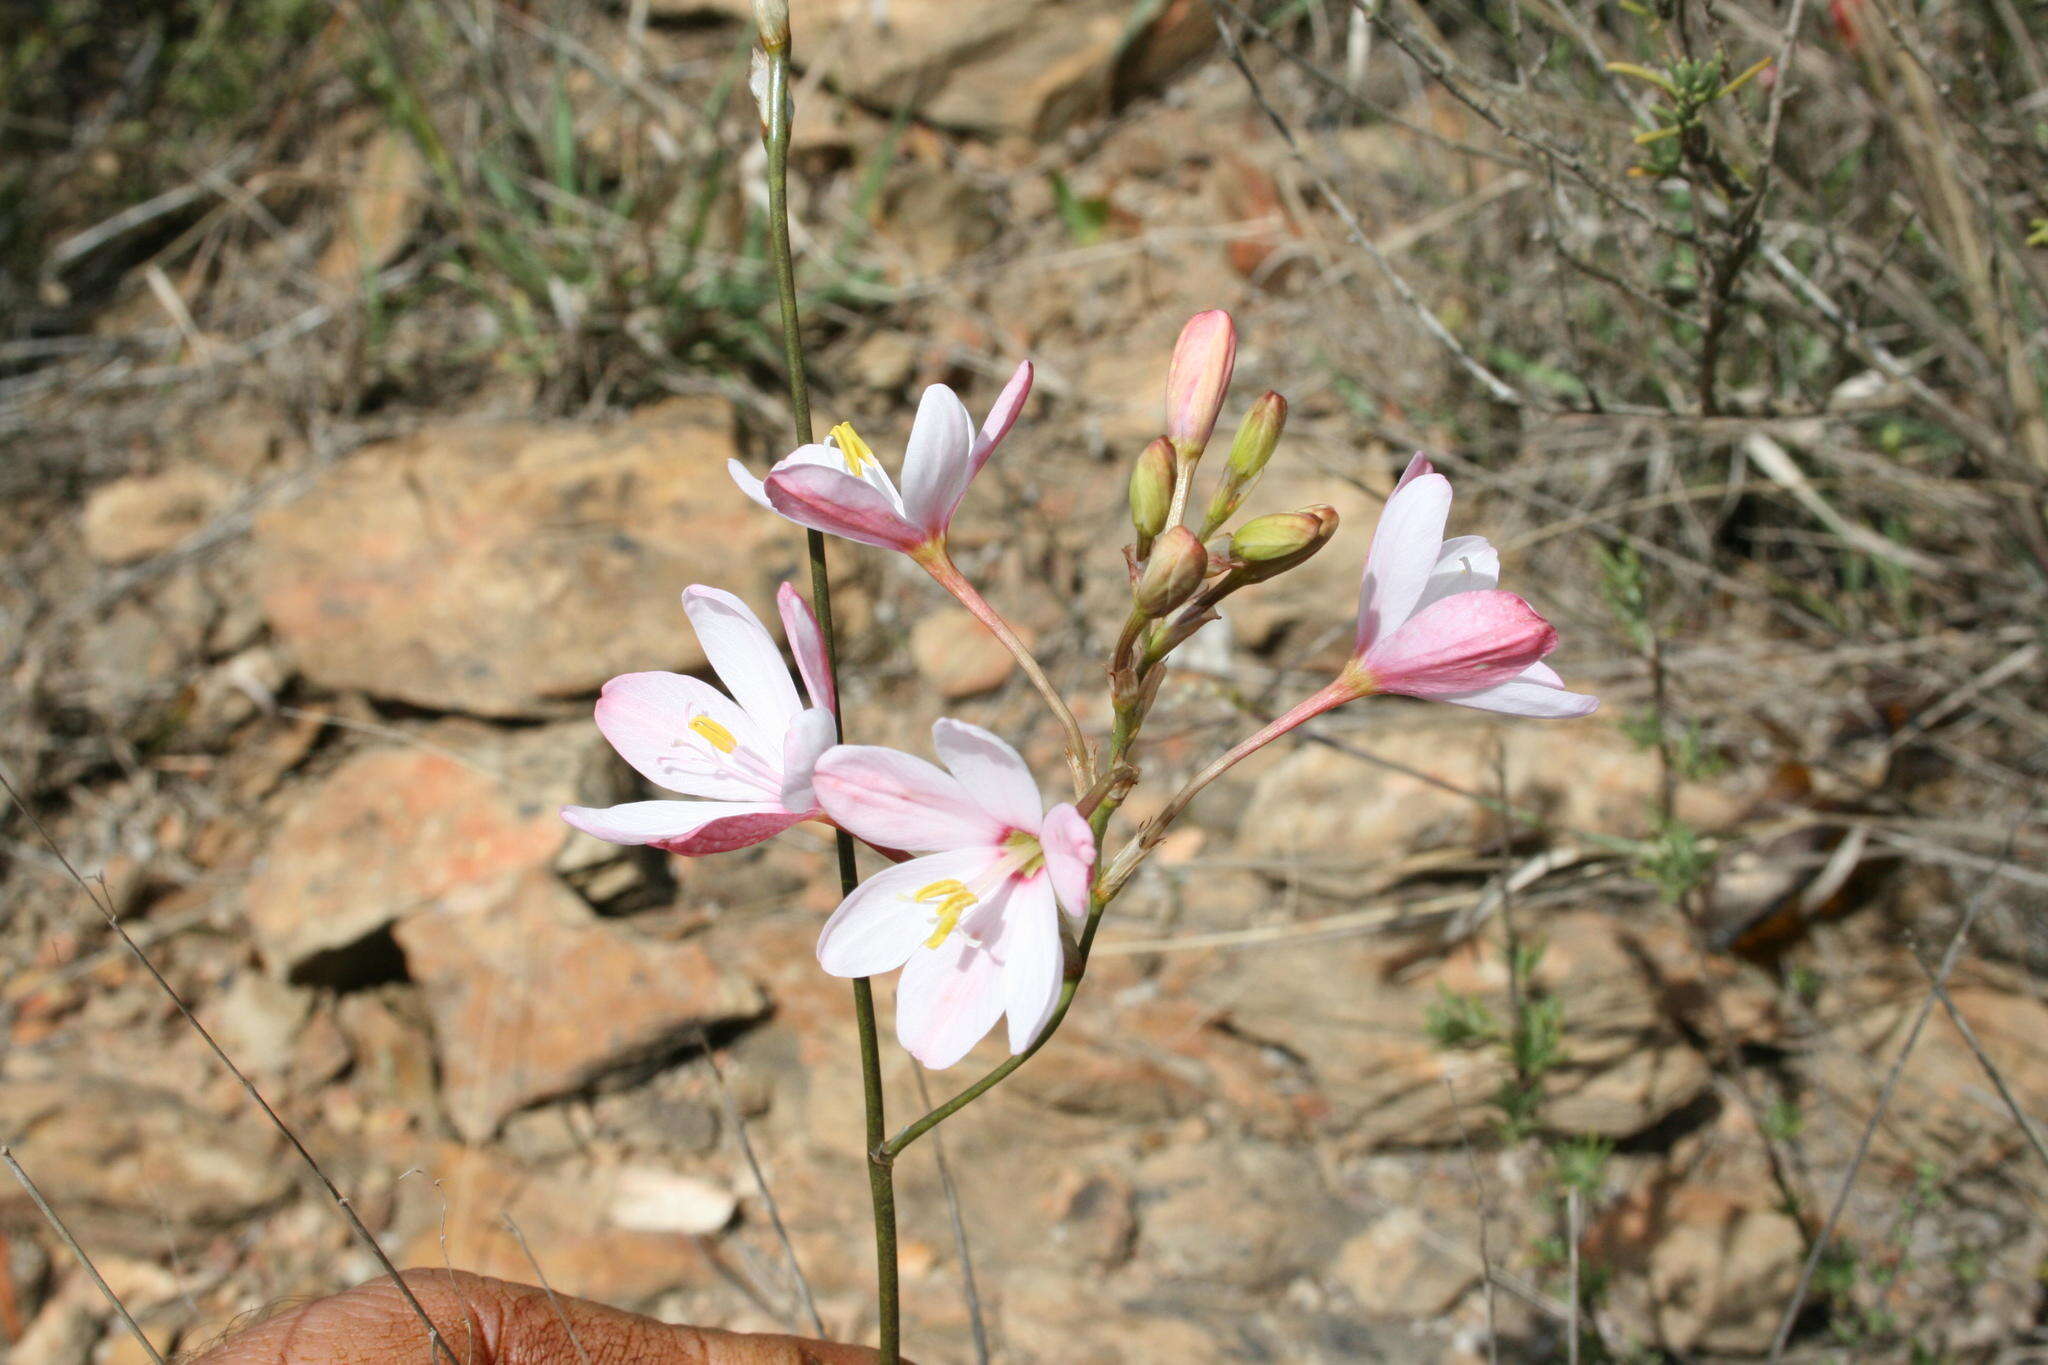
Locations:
{"points": [[301, 642]]}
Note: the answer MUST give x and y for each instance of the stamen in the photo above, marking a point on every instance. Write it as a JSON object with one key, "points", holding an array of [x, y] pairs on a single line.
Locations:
{"points": [[1026, 850], [716, 735], [953, 900], [857, 452]]}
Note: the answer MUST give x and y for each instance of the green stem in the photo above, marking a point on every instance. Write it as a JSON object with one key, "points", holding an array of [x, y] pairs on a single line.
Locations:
{"points": [[881, 1179]]}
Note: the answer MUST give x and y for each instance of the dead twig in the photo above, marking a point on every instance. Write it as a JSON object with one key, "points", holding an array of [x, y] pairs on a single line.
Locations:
{"points": [[975, 1319], [1935, 991], [739, 1132], [64, 1235], [541, 1276]]}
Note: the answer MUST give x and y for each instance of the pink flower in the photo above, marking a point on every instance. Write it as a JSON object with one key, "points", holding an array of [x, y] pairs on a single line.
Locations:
{"points": [[748, 756], [839, 487], [973, 921], [1433, 623]]}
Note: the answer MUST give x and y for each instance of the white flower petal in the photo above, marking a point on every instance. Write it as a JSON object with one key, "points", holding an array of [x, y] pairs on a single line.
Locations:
{"points": [[894, 800], [994, 775], [938, 460], [1034, 961], [947, 1000], [810, 735], [880, 922], [745, 657], [1403, 556]]}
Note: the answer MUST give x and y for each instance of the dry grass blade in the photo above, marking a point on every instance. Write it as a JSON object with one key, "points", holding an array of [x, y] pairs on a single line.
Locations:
{"points": [[341, 1201], [64, 1235], [968, 1289], [541, 1276], [739, 1131], [1936, 989], [1485, 1222]]}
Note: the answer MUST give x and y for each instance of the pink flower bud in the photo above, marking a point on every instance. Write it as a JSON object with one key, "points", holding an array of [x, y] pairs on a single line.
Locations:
{"points": [[1176, 569], [1202, 361]]}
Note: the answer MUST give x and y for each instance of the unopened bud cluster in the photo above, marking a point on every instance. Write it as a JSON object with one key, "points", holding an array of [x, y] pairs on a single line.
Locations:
{"points": [[1181, 568]]}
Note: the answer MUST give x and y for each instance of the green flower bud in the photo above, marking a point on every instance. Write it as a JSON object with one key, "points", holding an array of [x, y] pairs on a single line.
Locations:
{"points": [[1151, 492], [1257, 437], [1266, 546], [1175, 571]]}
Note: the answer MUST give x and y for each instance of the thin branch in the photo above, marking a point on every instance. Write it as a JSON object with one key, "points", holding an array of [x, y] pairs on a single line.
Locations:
{"points": [[64, 1235], [1501, 390], [1935, 990], [1485, 1253]]}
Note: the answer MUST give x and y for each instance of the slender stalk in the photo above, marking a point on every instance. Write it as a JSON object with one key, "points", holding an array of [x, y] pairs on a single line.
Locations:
{"points": [[947, 575], [1127, 859], [881, 1179], [64, 1235]]}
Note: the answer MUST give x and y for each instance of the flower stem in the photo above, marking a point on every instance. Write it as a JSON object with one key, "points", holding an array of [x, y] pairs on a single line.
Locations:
{"points": [[881, 1178], [1080, 758], [1334, 694]]}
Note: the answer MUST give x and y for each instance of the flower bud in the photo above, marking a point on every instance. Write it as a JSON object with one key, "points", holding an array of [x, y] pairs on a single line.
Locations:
{"points": [[1176, 569], [1266, 546], [1257, 436], [1202, 361], [1151, 492]]}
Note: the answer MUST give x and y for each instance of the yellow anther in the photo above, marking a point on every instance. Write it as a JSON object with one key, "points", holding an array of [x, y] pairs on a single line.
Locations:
{"points": [[953, 900], [858, 454], [716, 735]]}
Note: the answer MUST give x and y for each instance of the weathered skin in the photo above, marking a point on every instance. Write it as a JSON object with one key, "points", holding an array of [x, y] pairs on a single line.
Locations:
{"points": [[493, 1322]]}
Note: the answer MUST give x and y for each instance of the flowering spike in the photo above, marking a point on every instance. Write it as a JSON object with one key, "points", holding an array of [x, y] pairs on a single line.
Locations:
{"points": [[1202, 361], [1176, 569], [1257, 437], [1151, 492]]}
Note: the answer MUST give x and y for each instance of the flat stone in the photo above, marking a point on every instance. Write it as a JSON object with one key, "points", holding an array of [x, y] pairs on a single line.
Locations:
{"points": [[1395, 1270], [134, 1164], [1246, 1214], [147, 514], [534, 997], [388, 832], [457, 1216], [495, 569], [957, 656], [1026, 66]]}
